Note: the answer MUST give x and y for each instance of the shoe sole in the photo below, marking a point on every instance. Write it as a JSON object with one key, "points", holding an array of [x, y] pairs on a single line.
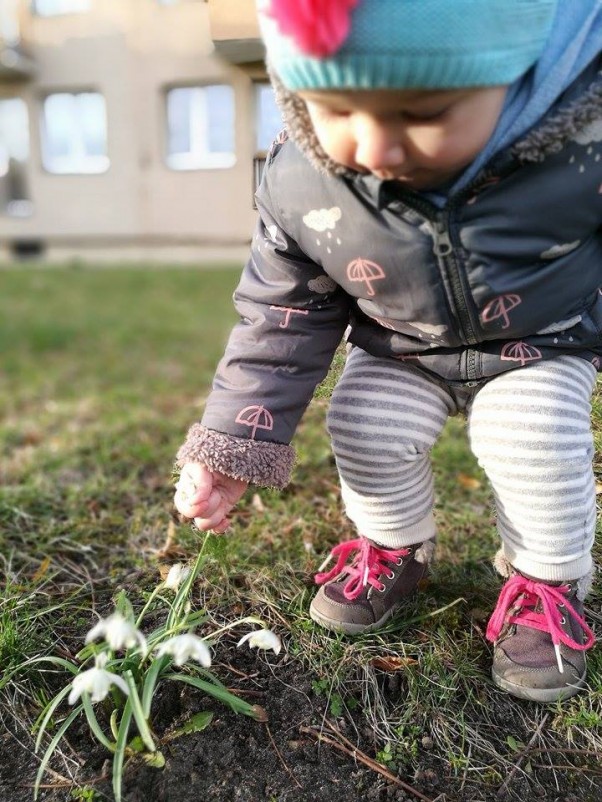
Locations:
{"points": [[349, 628], [539, 694]]}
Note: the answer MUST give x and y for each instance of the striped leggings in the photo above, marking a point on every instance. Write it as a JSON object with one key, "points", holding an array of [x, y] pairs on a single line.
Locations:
{"points": [[529, 429]]}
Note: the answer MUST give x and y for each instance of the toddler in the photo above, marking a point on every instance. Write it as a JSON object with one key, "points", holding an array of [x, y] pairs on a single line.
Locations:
{"points": [[437, 195]]}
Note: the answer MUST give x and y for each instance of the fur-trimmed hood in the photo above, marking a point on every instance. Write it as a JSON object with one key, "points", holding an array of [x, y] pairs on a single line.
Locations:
{"points": [[564, 121]]}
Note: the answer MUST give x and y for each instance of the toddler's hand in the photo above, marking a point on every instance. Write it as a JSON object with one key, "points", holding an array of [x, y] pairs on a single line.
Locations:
{"points": [[207, 496]]}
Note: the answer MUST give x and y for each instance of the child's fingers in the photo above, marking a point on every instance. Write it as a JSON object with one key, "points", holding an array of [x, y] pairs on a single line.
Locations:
{"points": [[215, 514], [188, 508], [214, 523], [195, 481], [221, 527], [193, 490]]}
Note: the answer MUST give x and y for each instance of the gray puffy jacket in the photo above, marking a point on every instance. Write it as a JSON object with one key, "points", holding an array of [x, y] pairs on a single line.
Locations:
{"points": [[507, 273]]}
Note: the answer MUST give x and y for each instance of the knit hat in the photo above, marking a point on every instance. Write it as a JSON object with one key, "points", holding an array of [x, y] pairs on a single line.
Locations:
{"points": [[399, 44]]}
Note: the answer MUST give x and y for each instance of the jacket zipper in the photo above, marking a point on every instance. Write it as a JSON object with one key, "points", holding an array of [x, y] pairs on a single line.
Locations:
{"points": [[445, 252]]}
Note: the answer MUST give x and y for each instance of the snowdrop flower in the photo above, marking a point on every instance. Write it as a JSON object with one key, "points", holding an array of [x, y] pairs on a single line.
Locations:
{"points": [[185, 647], [176, 575], [96, 681], [118, 633], [262, 639]]}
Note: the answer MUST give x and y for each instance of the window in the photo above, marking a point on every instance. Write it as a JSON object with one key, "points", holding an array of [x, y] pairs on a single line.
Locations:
{"points": [[74, 133], [9, 22], [200, 127], [268, 120], [50, 8], [14, 154]]}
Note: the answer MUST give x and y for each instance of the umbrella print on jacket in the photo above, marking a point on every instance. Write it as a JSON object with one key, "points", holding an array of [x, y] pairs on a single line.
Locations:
{"points": [[365, 270], [519, 352], [255, 417], [499, 308], [288, 311]]}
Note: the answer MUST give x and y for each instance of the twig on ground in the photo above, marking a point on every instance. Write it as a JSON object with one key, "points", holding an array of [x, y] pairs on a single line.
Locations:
{"points": [[286, 768], [357, 754], [581, 752], [568, 767], [521, 757], [237, 672]]}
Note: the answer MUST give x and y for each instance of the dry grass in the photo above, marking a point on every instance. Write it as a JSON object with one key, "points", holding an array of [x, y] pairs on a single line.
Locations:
{"points": [[100, 376]]}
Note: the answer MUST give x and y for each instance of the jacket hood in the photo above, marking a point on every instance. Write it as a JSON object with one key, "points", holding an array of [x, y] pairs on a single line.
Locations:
{"points": [[562, 123]]}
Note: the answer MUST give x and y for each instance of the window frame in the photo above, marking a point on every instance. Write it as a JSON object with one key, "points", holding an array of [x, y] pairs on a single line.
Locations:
{"points": [[83, 164], [199, 158], [85, 8], [21, 205]]}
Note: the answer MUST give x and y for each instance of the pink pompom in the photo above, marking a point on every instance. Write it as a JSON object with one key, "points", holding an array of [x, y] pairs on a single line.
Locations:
{"points": [[318, 27]]}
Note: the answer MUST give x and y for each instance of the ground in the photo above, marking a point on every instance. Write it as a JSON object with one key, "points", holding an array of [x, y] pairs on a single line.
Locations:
{"points": [[101, 372]]}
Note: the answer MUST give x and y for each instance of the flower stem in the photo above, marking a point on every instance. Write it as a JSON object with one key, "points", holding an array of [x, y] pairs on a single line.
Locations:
{"points": [[147, 605], [93, 723], [138, 713], [185, 588]]}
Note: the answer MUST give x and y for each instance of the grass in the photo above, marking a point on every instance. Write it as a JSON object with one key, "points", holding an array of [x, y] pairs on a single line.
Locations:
{"points": [[101, 372]]}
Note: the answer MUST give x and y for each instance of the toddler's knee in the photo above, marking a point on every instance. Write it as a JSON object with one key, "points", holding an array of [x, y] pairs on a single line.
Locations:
{"points": [[382, 440]]}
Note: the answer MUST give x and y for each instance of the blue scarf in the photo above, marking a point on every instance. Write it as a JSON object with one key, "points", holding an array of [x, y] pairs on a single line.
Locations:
{"points": [[575, 40]]}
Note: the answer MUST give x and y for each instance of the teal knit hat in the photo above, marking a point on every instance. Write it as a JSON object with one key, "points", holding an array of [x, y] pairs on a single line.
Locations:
{"points": [[403, 44]]}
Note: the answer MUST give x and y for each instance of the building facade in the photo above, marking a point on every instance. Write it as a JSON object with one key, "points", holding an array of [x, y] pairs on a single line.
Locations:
{"points": [[130, 128]]}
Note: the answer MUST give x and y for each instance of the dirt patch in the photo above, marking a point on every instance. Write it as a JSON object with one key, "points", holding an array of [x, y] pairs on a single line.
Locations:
{"points": [[235, 758], [287, 759]]}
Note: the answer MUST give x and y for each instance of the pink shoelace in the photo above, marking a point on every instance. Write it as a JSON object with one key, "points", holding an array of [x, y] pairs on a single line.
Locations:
{"points": [[520, 596], [365, 568]]}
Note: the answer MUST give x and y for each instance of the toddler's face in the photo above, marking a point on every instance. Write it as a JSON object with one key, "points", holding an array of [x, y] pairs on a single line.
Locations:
{"points": [[422, 138]]}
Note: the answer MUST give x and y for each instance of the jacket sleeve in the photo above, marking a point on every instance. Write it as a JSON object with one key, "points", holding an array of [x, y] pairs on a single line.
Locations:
{"points": [[292, 318]]}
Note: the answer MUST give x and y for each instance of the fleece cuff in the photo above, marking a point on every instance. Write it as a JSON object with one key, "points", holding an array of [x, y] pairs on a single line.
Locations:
{"points": [[255, 461]]}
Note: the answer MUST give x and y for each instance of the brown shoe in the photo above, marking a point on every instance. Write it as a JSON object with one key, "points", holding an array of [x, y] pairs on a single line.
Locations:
{"points": [[361, 596], [540, 640]]}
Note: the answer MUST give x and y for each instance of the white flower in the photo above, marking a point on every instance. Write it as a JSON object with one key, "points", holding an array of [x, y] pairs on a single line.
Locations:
{"points": [[96, 681], [186, 647], [176, 575], [118, 633], [262, 639]]}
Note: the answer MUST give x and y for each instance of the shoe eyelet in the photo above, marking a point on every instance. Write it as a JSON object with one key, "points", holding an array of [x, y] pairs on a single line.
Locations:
{"points": [[569, 586], [563, 620], [391, 575], [399, 561], [381, 589]]}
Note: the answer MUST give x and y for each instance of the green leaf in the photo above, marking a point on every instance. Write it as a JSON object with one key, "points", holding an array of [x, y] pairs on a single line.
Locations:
{"points": [[154, 759], [94, 725], [113, 722], [196, 723], [46, 714], [124, 606], [52, 746], [219, 693], [515, 745], [150, 681], [120, 745], [136, 744], [336, 705]]}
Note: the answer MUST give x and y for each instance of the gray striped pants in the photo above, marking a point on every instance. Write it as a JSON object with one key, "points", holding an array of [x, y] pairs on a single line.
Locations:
{"points": [[529, 429]]}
